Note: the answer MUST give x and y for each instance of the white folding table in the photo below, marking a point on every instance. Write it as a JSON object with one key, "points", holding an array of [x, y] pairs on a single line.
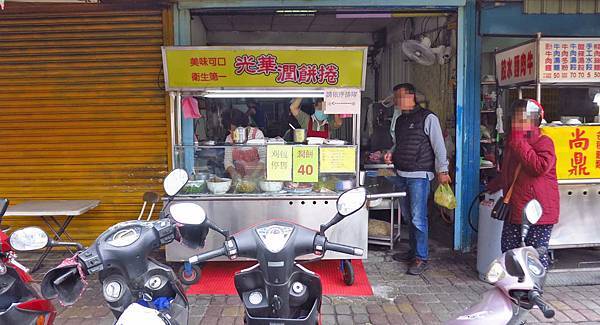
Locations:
{"points": [[48, 210]]}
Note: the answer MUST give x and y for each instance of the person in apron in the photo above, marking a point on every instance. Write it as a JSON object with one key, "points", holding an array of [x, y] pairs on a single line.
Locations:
{"points": [[243, 161], [318, 124]]}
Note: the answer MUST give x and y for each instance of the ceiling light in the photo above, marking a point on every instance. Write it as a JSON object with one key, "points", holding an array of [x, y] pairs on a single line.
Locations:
{"points": [[296, 12]]}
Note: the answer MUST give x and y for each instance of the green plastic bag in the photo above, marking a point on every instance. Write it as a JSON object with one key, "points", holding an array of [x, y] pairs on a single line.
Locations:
{"points": [[445, 197]]}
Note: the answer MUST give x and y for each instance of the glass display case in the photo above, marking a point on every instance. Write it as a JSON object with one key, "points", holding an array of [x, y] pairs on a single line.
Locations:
{"points": [[214, 164]]}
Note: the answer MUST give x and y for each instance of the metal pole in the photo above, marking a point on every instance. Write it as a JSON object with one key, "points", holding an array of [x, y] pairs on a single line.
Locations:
{"points": [[520, 92], [172, 114], [178, 118]]}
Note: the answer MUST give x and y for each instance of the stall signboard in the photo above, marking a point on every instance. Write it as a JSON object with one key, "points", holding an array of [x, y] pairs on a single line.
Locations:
{"points": [[193, 68], [516, 65], [574, 60], [279, 163], [342, 101], [337, 160], [305, 164], [577, 151]]}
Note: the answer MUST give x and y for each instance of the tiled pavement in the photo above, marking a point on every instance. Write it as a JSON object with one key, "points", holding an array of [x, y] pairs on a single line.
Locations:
{"points": [[448, 287]]}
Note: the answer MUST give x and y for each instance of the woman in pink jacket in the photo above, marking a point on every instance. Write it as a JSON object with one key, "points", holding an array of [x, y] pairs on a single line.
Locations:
{"points": [[532, 156]]}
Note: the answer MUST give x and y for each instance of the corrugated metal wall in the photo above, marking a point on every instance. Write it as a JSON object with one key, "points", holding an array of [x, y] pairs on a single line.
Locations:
{"points": [[561, 6], [83, 112]]}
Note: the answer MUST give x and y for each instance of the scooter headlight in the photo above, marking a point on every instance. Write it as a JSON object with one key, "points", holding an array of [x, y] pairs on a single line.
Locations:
{"points": [[274, 237], [496, 272]]}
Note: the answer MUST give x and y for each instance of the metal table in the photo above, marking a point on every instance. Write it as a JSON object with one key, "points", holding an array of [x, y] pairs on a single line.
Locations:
{"points": [[48, 210], [380, 185]]}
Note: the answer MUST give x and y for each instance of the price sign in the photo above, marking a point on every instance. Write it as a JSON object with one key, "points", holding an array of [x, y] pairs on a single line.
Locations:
{"points": [[305, 164], [279, 163], [337, 160]]}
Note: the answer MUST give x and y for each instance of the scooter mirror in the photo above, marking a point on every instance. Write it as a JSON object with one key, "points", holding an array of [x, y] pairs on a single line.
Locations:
{"points": [[29, 239], [175, 181], [351, 201], [532, 212], [188, 213]]}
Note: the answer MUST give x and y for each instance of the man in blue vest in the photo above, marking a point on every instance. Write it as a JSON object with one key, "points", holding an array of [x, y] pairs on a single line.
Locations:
{"points": [[418, 156]]}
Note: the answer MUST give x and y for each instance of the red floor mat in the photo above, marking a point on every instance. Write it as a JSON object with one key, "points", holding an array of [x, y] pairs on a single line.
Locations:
{"points": [[217, 278]]}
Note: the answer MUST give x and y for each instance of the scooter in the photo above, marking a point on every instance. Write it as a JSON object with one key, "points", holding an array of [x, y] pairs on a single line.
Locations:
{"points": [[137, 288], [277, 290], [20, 300], [518, 277]]}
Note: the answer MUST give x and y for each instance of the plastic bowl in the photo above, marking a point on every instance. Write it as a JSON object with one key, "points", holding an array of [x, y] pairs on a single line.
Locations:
{"points": [[268, 186], [219, 187]]}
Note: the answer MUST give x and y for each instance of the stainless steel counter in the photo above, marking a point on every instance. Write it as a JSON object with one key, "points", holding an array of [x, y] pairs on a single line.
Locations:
{"points": [[238, 212], [579, 223]]}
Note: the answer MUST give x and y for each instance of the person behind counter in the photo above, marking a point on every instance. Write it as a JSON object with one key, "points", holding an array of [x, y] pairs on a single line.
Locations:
{"points": [[419, 152], [317, 124], [529, 161], [242, 161]]}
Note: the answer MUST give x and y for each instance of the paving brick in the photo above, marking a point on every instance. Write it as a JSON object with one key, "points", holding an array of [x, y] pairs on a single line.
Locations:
{"points": [[345, 320], [396, 319], [560, 317], [210, 320], [425, 298], [359, 309], [343, 310], [429, 318], [361, 318], [374, 309], [327, 310], [558, 305], [407, 309], [379, 319], [328, 320], [226, 320], [214, 311], [422, 308], [219, 300], [590, 315], [412, 319], [574, 304], [574, 315], [390, 309], [233, 311], [233, 300]]}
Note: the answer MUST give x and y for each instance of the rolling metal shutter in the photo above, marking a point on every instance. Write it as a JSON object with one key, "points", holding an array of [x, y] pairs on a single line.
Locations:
{"points": [[83, 111]]}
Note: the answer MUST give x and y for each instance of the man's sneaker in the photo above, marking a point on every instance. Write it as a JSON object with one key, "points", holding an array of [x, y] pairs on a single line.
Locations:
{"points": [[418, 267], [404, 257]]}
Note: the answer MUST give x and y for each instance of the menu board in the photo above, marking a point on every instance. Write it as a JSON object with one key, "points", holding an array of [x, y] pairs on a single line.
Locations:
{"points": [[577, 151], [305, 164], [279, 163], [337, 160], [575, 60], [516, 65]]}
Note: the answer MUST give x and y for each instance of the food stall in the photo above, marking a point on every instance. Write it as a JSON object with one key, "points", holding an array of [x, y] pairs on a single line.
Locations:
{"points": [[292, 177], [563, 63]]}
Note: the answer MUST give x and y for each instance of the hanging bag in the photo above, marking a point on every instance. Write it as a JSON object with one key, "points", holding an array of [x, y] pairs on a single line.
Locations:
{"points": [[502, 208]]}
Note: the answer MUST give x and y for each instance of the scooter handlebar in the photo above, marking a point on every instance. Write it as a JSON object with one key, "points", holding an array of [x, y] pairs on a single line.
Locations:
{"points": [[536, 298], [208, 255], [340, 248]]}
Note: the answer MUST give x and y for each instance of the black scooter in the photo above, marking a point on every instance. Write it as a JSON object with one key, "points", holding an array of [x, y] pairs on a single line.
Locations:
{"points": [[277, 290], [137, 288]]}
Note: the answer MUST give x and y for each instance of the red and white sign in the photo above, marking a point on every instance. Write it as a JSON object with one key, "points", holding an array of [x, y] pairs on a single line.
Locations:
{"points": [[516, 65], [575, 60]]}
